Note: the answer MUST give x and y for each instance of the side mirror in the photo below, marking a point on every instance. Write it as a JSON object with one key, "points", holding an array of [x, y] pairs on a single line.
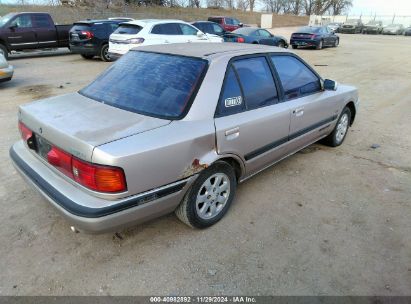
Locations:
{"points": [[200, 34], [330, 85], [240, 24]]}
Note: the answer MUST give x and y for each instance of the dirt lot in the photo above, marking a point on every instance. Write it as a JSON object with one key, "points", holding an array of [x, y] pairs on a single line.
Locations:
{"points": [[323, 222]]}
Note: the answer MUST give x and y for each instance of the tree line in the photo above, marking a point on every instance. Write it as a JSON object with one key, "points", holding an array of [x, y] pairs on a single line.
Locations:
{"points": [[294, 7]]}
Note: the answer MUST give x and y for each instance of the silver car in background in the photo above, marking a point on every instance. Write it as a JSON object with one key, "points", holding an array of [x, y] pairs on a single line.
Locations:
{"points": [[175, 128], [6, 70]]}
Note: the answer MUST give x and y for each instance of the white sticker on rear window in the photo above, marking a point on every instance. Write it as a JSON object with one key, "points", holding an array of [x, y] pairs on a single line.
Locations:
{"points": [[233, 101]]}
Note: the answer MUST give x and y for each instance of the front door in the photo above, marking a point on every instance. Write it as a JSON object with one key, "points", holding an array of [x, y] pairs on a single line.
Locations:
{"points": [[312, 110], [250, 122], [22, 35]]}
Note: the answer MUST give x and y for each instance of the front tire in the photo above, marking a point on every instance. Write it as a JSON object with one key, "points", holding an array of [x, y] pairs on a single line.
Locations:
{"points": [[336, 42], [209, 198], [294, 46], [337, 136], [104, 53], [281, 44]]}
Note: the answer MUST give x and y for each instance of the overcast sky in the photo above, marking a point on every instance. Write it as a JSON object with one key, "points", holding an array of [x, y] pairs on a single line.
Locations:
{"points": [[382, 7]]}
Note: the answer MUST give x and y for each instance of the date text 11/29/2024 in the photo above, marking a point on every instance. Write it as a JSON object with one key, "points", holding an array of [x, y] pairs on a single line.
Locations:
{"points": [[203, 299]]}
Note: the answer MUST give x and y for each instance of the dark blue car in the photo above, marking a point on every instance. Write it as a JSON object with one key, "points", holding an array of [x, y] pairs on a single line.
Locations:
{"points": [[255, 35], [314, 36]]}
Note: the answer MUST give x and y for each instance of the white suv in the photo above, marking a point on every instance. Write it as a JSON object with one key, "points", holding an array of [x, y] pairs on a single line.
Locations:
{"points": [[148, 32]]}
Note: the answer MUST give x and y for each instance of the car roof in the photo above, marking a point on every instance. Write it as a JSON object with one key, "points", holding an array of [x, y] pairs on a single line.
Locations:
{"points": [[91, 21], [144, 22], [210, 50]]}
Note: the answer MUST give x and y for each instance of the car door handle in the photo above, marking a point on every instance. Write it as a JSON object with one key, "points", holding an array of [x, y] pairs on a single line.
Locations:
{"points": [[298, 112], [232, 133]]}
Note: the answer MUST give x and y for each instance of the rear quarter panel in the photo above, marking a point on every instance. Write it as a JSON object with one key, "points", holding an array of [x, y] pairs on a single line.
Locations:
{"points": [[161, 156]]}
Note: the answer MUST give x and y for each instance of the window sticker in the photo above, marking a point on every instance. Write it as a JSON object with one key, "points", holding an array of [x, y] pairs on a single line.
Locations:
{"points": [[233, 101]]}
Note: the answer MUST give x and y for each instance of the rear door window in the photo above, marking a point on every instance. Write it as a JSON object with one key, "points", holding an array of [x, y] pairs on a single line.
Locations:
{"points": [[128, 29], [217, 29], [257, 82], [42, 21], [296, 78], [152, 84], [167, 29]]}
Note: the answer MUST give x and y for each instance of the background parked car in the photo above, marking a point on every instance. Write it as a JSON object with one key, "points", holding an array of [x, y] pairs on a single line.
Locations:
{"points": [[373, 27], [255, 35], [352, 26], [393, 29], [335, 26], [6, 70], [23, 31], [228, 23], [314, 36], [148, 32], [209, 27], [407, 31], [90, 38]]}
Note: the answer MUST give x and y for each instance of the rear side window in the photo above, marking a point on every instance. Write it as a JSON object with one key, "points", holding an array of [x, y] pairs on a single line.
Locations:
{"points": [[42, 21], [217, 29], [128, 29], [231, 101], [257, 82], [297, 79], [167, 29], [158, 85]]}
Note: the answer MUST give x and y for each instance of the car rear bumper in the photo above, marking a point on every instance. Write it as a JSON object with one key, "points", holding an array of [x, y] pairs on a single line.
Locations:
{"points": [[84, 49], [79, 207], [6, 73], [304, 42]]}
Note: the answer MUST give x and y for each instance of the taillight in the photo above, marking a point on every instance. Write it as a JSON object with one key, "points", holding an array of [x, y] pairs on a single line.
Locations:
{"points": [[97, 177], [88, 34], [313, 36], [25, 132], [240, 39], [61, 160], [135, 41]]}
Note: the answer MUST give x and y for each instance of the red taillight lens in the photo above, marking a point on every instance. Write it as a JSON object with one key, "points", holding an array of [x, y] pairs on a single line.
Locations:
{"points": [[240, 39], [313, 36], [25, 132], [61, 160], [97, 177], [88, 34]]}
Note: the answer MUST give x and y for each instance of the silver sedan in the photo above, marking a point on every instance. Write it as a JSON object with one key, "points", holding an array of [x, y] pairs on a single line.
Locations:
{"points": [[175, 128], [6, 70]]}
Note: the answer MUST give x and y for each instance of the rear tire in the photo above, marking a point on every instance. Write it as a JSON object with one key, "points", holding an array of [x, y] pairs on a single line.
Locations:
{"points": [[104, 53], [294, 46], [320, 45], [87, 56], [209, 198], [337, 136], [4, 51]]}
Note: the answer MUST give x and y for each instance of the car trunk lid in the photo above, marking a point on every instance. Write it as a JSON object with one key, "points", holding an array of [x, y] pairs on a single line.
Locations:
{"points": [[78, 124]]}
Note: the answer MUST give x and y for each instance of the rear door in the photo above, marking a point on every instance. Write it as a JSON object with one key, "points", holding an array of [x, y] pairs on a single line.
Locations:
{"points": [[250, 122], [312, 110], [22, 35], [45, 30], [266, 37]]}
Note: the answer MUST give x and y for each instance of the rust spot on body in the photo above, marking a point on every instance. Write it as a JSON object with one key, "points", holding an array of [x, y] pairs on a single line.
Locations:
{"points": [[194, 168]]}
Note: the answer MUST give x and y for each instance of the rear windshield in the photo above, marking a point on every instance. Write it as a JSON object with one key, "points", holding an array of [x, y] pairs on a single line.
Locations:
{"points": [[309, 29], [129, 29], [80, 27], [152, 84]]}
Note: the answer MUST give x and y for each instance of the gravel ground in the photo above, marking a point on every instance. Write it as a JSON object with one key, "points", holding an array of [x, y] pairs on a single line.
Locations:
{"points": [[322, 222]]}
